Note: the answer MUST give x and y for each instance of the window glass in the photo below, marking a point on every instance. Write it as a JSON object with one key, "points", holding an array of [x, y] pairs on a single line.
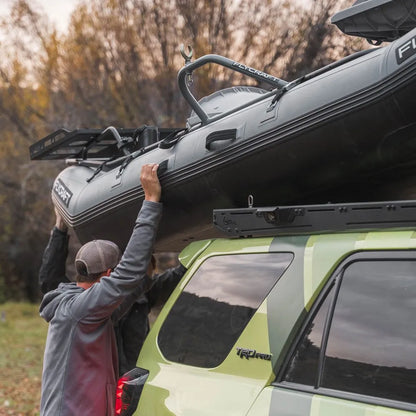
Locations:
{"points": [[217, 304], [372, 341], [303, 366]]}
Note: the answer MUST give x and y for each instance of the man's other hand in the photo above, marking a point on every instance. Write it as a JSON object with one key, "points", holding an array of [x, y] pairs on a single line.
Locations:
{"points": [[59, 221], [150, 182]]}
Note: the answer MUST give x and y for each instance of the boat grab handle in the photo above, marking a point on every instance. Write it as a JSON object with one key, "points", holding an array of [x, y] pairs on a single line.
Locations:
{"points": [[189, 67], [230, 134]]}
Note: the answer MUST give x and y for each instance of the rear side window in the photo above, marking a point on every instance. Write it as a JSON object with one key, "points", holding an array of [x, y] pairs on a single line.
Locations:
{"points": [[372, 342], [369, 344], [217, 304], [303, 368]]}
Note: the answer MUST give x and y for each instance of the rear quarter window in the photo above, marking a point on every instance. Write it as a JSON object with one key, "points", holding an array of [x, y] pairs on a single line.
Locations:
{"points": [[216, 305]]}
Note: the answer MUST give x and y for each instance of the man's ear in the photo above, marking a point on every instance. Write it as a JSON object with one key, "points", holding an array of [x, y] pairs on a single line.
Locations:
{"points": [[108, 272]]}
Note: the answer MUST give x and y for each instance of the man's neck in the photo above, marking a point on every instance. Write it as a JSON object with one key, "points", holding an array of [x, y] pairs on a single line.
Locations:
{"points": [[85, 285]]}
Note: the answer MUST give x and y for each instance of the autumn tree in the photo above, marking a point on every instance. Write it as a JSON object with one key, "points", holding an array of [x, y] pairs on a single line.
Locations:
{"points": [[117, 65], [122, 56]]}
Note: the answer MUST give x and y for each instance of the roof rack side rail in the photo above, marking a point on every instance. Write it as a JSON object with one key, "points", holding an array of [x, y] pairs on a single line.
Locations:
{"points": [[306, 219]]}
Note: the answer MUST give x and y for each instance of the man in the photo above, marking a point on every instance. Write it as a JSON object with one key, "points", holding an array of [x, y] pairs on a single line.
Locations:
{"points": [[132, 328], [130, 320], [80, 367]]}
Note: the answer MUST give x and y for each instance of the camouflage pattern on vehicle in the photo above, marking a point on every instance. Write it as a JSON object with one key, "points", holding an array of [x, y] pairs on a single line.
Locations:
{"points": [[243, 384]]}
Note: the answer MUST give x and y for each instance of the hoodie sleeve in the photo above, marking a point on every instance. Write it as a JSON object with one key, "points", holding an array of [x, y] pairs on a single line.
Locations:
{"points": [[101, 299], [129, 300], [52, 269]]}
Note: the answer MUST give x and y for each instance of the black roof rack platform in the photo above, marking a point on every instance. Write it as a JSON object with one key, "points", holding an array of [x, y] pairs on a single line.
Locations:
{"points": [[96, 143], [280, 220]]}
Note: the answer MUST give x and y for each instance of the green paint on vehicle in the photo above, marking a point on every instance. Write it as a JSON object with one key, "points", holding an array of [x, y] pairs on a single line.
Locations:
{"points": [[192, 251], [329, 406], [284, 303], [261, 406], [181, 389], [322, 254], [238, 246], [254, 337], [388, 240], [287, 402], [241, 386]]}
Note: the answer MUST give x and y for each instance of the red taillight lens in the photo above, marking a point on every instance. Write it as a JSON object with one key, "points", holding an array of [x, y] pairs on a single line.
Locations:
{"points": [[119, 394], [129, 389]]}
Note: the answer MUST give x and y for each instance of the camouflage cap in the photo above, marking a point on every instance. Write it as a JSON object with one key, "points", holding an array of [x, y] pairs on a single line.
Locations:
{"points": [[97, 256]]}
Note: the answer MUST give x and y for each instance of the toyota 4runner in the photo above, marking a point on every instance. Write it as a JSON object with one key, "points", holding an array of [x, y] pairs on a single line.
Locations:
{"points": [[300, 311]]}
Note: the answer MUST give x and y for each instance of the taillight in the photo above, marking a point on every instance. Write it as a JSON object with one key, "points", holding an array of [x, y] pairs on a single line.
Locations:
{"points": [[129, 389]]}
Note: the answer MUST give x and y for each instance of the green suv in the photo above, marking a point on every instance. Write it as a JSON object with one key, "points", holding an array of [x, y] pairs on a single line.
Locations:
{"points": [[301, 311]]}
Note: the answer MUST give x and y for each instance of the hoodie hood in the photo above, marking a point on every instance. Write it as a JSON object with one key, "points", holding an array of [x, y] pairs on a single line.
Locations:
{"points": [[52, 299]]}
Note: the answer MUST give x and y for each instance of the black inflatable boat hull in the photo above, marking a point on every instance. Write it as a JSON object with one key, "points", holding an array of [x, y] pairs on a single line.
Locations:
{"points": [[344, 135]]}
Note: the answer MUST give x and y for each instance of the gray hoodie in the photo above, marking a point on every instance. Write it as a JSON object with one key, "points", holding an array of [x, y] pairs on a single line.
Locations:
{"points": [[80, 361]]}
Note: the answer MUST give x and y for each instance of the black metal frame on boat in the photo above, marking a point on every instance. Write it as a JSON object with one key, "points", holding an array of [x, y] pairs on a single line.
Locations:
{"points": [[312, 219], [98, 143], [187, 70]]}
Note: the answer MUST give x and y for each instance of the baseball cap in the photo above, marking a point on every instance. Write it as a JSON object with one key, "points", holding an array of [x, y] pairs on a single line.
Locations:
{"points": [[97, 256]]}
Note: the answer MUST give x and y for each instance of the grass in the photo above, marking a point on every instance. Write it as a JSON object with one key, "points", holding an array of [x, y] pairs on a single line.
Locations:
{"points": [[22, 341]]}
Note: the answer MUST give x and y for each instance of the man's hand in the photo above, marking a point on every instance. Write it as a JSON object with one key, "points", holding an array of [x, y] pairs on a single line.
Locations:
{"points": [[59, 223], [150, 182]]}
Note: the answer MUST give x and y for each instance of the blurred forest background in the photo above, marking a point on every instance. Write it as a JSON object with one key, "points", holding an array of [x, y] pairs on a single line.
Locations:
{"points": [[116, 64]]}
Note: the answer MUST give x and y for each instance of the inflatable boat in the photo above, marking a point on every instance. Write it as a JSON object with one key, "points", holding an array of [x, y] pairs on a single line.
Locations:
{"points": [[344, 133]]}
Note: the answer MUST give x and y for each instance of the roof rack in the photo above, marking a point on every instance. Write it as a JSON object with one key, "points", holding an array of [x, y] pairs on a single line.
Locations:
{"points": [[96, 143], [307, 219]]}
